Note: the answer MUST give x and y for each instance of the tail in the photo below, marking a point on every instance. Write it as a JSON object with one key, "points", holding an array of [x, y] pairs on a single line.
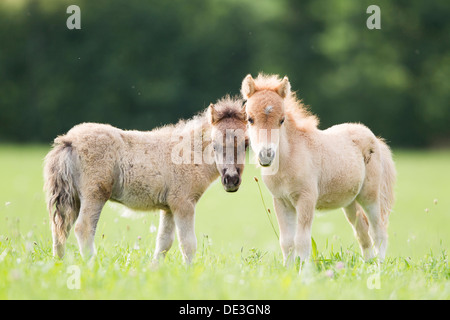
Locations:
{"points": [[388, 179], [61, 193]]}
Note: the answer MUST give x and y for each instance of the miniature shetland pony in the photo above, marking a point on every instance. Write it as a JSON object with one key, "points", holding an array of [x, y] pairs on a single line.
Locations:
{"points": [[167, 169], [306, 168]]}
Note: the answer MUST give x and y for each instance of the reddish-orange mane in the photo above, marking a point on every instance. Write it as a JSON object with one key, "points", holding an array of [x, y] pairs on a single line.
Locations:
{"points": [[294, 108]]}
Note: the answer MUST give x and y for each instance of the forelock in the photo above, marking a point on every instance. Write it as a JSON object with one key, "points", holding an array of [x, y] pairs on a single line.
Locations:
{"points": [[229, 108]]}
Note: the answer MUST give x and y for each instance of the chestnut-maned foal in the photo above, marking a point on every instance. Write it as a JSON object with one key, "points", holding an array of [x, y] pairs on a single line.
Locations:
{"points": [[306, 168]]}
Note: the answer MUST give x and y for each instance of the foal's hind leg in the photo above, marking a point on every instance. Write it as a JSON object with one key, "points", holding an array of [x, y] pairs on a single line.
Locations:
{"points": [[166, 234], [355, 215], [378, 229], [86, 225]]}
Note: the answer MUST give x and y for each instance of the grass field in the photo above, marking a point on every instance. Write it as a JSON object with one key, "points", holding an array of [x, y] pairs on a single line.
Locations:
{"points": [[238, 256]]}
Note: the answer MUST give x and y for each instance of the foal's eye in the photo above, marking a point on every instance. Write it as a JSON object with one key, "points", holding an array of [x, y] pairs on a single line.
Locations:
{"points": [[250, 120], [281, 121]]}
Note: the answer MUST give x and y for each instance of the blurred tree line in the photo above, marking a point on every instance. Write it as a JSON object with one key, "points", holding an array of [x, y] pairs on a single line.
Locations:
{"points": [[140, 64]]}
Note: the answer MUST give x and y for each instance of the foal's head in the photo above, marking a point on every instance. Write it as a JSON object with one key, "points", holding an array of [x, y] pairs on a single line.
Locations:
{"points": [[266, 114], [228, 134]]}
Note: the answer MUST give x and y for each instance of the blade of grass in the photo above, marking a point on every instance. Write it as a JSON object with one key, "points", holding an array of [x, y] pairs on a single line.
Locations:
{"points": [[265, 208]]}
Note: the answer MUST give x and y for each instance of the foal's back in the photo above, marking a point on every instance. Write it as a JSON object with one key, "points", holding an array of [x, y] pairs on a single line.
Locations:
{"points": [[130, 167]]}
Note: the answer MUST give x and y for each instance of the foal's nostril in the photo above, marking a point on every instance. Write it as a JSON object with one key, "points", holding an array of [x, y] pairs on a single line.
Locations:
{"points": [[231, 180], [234, 180], [266, 156], [266, 153]]}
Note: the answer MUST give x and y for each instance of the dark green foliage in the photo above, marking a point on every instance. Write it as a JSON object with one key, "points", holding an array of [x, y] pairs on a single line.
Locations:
{"points": [[139, 64]]}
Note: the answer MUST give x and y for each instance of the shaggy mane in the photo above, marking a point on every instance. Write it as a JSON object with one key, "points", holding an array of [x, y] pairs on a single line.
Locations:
{"points": [[304, 119], [229, 108]]}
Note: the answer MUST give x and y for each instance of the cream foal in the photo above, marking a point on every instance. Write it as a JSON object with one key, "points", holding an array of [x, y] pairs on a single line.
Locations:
{"points": [[306, 168], [167, 169]]}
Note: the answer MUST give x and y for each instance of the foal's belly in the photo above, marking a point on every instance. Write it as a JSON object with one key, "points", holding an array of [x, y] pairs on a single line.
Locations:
{"points": [[335, 200], [144, 189], [143, 201], [340, 190]]}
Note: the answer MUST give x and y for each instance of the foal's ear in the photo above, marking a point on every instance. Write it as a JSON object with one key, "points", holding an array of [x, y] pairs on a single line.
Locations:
{"points": [[248, 87], [284, 89], [212, 114]]}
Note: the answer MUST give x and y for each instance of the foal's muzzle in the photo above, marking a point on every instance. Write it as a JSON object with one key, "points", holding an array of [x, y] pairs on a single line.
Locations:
{"points": [[266, 156], [231, 183]]}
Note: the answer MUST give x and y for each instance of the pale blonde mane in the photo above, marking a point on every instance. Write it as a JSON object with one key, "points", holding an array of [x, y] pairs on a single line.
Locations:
{"points": [[186, 125], [294, 107]]}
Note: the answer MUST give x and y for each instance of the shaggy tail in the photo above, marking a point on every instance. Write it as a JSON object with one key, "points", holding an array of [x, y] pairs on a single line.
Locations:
{"points": [[61, 194], [387, 197]]}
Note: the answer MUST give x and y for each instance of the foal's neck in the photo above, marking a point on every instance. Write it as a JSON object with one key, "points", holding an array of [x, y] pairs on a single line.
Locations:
{"points": [[210, 169], [290, 139], [197, 131], [287, 132]]}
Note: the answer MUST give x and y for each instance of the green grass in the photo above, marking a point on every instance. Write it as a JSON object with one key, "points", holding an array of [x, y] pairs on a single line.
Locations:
{"points": [[238, 255]]}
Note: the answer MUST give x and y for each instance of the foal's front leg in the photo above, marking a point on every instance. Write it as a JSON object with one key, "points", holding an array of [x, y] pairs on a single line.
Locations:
{"points": [[166, 234], [305, 213], [286, 218], [184, 222]]}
